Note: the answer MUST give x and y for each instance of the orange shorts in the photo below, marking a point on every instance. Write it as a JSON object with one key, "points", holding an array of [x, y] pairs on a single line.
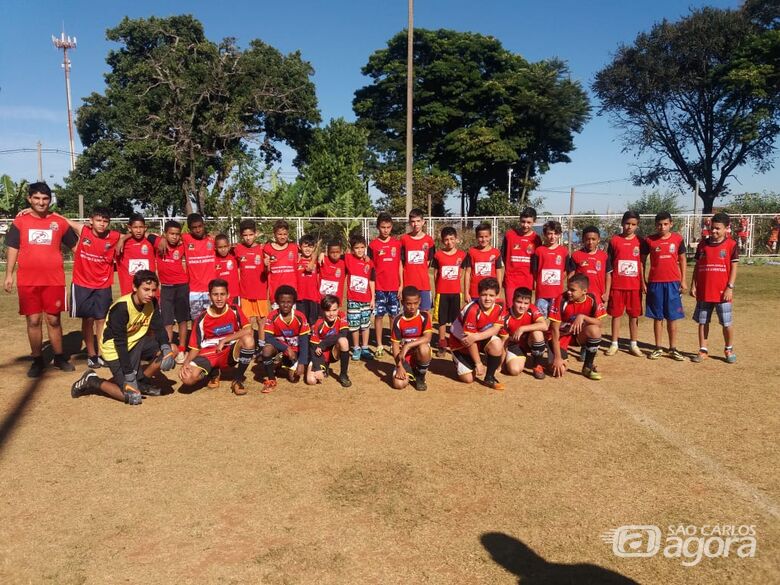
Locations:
{"points": [[254, 308]]}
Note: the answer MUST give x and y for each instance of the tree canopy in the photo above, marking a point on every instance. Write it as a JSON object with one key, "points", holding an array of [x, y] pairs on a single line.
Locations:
{"points": [[478, 109]]}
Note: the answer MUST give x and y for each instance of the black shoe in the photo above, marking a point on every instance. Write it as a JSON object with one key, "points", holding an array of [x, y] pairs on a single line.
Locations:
{"points": [[61, 363], [36, 369], [95, 362], [148, 389], [344, 381], [86, 384], [420, 385]]}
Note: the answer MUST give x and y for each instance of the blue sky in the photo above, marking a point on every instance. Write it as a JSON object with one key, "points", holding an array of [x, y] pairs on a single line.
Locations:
{"points": [[336, 36]]}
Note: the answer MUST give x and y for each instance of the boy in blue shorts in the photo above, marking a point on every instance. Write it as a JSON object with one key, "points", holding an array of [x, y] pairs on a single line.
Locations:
{"points": [[385, 252]]}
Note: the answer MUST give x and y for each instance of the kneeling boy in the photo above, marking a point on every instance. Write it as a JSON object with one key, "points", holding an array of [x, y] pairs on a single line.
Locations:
{"points": [[329, 343], [575, 316], [524, 329], [411, 341], [221, 337], [287, 333]]}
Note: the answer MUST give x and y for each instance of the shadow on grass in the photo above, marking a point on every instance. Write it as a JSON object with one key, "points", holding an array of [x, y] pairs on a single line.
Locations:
{"points": [[17, 411], [520, 560]]}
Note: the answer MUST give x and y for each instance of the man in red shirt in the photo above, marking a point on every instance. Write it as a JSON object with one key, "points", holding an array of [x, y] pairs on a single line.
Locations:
{"points": [[33, 241], [385, 251], [417, 250], [517, 249], [134, 252]]}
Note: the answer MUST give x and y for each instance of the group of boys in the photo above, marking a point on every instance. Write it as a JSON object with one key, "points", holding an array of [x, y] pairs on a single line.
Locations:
{"points": [[282, 303]]}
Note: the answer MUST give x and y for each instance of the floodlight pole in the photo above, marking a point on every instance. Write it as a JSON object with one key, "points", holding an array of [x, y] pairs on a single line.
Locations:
{"points": [[409, 104], [66, 43], [509, 186]]}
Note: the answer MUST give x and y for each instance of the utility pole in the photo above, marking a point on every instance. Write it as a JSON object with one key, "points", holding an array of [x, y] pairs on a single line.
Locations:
{"points": [[66, 43], [409, 104], [40, 162], [571, 219], [509, 186]]}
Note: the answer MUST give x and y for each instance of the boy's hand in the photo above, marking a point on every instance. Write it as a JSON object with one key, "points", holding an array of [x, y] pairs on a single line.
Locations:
{"points": [[644, 287], [372, 304], [480, 369], [605, 297], [468, 339], [221, 344], [400, 373], [318, 351], [559, 367], [517, 334], [8, 285], [728, 294], [577, 324], [693, 291], [299, 370], [683, 288], [291, 354]]}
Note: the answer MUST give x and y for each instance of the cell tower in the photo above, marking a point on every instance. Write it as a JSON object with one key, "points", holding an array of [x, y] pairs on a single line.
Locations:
{"points": [[65, 43]]}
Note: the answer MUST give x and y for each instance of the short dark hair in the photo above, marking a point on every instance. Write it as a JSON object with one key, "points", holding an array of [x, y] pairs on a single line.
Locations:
{"points": [[581, 279], [40, 187], [448, 231], [221, 237], [328, 301], [488, 283], [552, 226], [307, 239], [721, 217], [101, 211], [410, 291], [333, 244], [591, 229], [528, 212], [218, 283], [285, 289], [662, 215], [171, 223], [247, 224], [416, 212], [136, 217], [483, 227], [630, 214], [145, 277], [281, 224], [522, 292], [383, 217], [356, 239], [193, 218]]}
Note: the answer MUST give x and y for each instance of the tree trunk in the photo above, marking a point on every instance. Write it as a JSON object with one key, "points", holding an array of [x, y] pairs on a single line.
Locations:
{"points": [[473, 195], [708, 199], [187, 199]]}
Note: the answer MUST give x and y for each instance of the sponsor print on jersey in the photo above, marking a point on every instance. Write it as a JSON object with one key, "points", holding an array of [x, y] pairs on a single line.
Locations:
{"points": [[482, 268], [415, 257], [450, 272], [329, 287], [134, 266], [628, 267], [358, 284], [40, 237], [551, 276]]}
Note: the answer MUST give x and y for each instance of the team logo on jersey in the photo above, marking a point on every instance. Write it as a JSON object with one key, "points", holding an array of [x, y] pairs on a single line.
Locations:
{"points": [[107, 247], [671, 248], [258, 260], [516, 247], [657, 249], [176, 255], [272, 258], [425, 246], [529, 249], [723, 253], [598, 264], [54, 226], [230, 265], [87, 242], [190, 246], [557, 260], [289, 255], [392, 252], [338, 272], [458, 261], [636, 251], [366, 268], [144, 249], [382, 252], [209, 245]]}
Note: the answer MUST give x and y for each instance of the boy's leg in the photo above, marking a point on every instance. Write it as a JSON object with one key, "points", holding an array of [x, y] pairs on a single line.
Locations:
{"points": [[494, 350], [590, 338], [365, 330], [268, 353], [343, 346], [515, 360], [88, 333], [658, 332], [35, 334], [423, 362]]}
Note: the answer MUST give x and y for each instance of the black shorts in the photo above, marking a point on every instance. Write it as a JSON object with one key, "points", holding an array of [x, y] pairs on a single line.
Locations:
{"points": [[146, 349], [446, 308], [175, 303], [89, 303], [309, 308]]}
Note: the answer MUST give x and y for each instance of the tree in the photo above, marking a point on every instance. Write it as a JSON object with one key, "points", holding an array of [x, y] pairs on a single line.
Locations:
{"points": [[652, 202], [478, 109], [746, 203], [13, 196], [432, 184], [180, 111], [677, 95]]}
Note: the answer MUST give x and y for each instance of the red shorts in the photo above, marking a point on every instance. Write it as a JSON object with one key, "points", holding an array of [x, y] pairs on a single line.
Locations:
{"points": [[34, 300], [625, 301], [209, 359]]}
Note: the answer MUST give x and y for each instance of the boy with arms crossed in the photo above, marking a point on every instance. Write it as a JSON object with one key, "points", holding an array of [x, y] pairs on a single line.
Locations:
{"points": [[287, 333]]}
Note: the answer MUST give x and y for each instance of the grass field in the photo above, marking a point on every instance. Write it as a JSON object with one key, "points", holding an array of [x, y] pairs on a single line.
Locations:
{"points": [[370, 485]]}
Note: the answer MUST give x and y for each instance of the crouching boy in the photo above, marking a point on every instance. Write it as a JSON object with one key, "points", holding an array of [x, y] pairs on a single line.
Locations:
{"points": [[286, 333], [523, 333], [329, 342], [411, 341]]}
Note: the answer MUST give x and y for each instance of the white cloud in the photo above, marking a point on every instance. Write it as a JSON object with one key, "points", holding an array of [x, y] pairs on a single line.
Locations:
{"points": [[31, 113]]}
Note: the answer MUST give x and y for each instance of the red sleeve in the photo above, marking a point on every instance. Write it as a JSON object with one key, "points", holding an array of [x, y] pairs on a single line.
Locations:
{"points": [[395, 333], [427, 325], [555, 310]]}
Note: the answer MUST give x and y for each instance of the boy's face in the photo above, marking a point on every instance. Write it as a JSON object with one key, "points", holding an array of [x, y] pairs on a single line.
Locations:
{"points": [[487, 298], [483, 239], [551, 237], [281, 236], [664, 227], [591, 242], [39, 202], [359, 249], [385, 229], [576, 292], [411, 305], [331, 312], [307, 249], [334, 253], [285, 303], [173, 236], [222, 247], [218, 297], [448, 242], [630, 226], [248, 237], [520, 305], [198, 229], [99, 224], [416, 224], [526, 225], [145, 293], [719, 230], [137, 229]]}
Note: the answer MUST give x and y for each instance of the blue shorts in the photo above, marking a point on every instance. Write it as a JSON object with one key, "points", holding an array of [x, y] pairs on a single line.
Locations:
{"points": [[426, 300], [543, 305], [89, 303], [358, 315], [703, 313], [386, 303], [664, 301]]}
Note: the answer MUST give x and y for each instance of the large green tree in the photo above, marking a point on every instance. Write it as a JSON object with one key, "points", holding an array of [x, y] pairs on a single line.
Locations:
{"points": [[180, 112], [478, 109], [694, 100]]}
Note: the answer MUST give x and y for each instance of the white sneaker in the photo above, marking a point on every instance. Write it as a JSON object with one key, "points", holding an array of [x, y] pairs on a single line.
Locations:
{"points": [[611, 350], [180, 357], [634, 350]]}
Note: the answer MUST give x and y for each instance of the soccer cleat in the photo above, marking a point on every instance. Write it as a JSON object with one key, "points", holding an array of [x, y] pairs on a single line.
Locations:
{"points": [[492, 383], [539, 372], [180, 357], [148, 389], [441, 350], [420, 385], [591, 373], [63, 364], [269, 386], [676, 355], [87, 383], [36, 369], [344, 381], [214, 381], [237, 387], [380, 351], [656, 354], [133, 398], [95, 361], [635, 351], [366, 354], [611, 350], [731, 356], [700, 357], [356, 354]]}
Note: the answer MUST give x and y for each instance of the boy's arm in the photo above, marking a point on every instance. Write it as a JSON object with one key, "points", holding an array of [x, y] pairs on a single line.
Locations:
{"points": [[540, 325], [500, 274], [728, 294], [683, 260], [372, 288], [12, 253], [467, 282], [607, 286], [559, 366], [424, 338], [495, 329]]}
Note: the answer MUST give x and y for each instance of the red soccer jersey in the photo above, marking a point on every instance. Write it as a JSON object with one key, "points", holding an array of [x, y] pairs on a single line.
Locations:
{"points": [[169, 265], [282, 268], [308, 282], [416, 255], [665, 257], [199, 255], [517, 251], [513, 323], [287, 330], [565, 311], [226, 268], [483, 264], [410, 328], [550, 267], [324, 331], [713, 268], [473, 319], [387, 258], [360, 272], [210, 327], [38, 240], [626, 258], [449, 269], [594, 266], [136, 255], [251, 272], [93, 265], [332, 277]]}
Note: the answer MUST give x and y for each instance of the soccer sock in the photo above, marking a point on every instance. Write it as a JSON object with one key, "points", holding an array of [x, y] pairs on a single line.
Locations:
{"points": [[703, 350], [632, 343], [58, 357], [729, 347], [422, 370], [591, 347], [493, 361], [268, 367], [537, 349], [344, 361], [614, 343], [244, 359], [38, 359]]}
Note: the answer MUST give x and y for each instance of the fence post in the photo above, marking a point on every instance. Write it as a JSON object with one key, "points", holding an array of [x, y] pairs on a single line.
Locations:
{"points": [[494, 236], [752, 234]]}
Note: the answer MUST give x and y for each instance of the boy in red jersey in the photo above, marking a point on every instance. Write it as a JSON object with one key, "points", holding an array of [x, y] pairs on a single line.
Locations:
{"points": [[484, 262], [774, 235], [329, 343], [517, 249], [221, 337], [286, 332], [134, 252], [360, 296], [281, 259], [448, 265], [712, 285], [417, 250], [743, 234], [523, 333], [93, 275], [591, 261], [226, 267], [308, 280], [476, 329], [626, 281], [200, 259], [666, 283], [549, 267], [411, 341], [34, 241], [575, 316], [253, 285], [332, 271], [385, 251]]}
